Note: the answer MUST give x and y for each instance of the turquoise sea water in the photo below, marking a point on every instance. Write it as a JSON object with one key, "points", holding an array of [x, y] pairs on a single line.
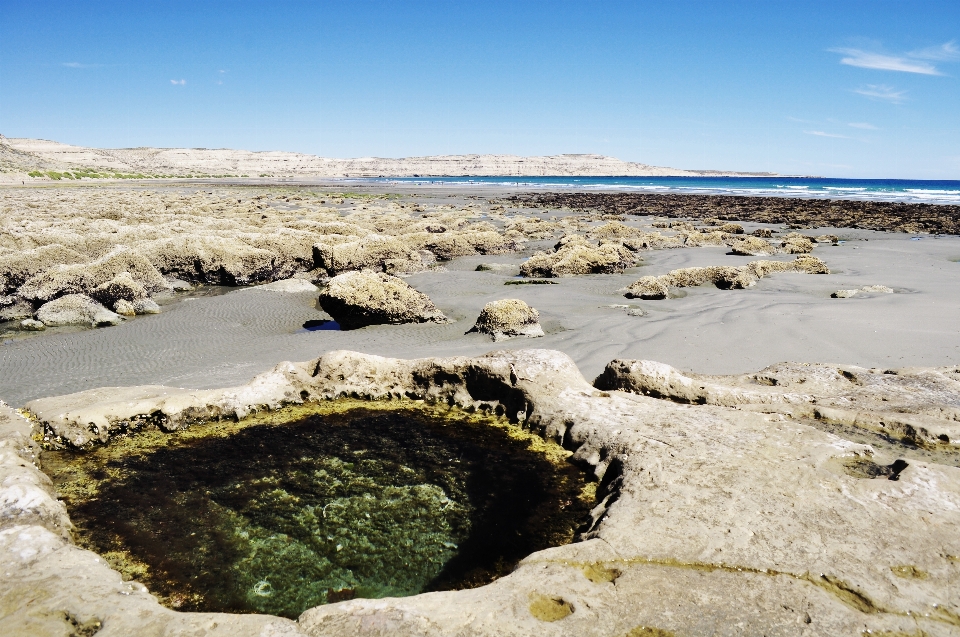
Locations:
{"points": [[906, 190]]}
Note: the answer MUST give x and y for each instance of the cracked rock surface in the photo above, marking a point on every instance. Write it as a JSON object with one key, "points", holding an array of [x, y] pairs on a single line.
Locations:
{"points": [[726, 505]]}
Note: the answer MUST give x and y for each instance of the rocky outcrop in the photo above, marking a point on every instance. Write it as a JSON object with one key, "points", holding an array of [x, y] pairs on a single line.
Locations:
{"points": [[212, 260], [576, 257], [86, 278], [876, 289], [76, 309], [648, 287], [731, 228], [13, 308], [794, 212], [796, 243], [697, 239], [615, 230], [721, 501], [450, 245], [654, 241], [752, 246], [122, 287], [917, 406], [359, 299], [16, 268], [506, 269], [32, 325], [724, 277], [508, 318], [373, 252]]}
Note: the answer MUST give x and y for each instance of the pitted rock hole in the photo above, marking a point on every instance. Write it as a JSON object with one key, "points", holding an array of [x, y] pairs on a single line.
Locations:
{"points": [[286, 515]]}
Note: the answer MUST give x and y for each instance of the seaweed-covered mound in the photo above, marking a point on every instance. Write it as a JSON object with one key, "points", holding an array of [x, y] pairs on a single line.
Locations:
{"points": [[358, 299], [373, 251], [85, 278], [575, 257], [508, 318], [724, 277]]}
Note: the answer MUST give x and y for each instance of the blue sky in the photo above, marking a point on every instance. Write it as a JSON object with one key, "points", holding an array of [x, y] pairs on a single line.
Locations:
{"points": [[856, 89]]}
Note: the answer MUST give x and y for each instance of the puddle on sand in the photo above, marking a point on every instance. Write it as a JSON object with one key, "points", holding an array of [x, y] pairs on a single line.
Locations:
{"points": [[321, 325], [320, 503]]}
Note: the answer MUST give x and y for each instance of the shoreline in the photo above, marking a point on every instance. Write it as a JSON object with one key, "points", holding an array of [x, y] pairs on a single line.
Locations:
{"points": [[949, 195]]}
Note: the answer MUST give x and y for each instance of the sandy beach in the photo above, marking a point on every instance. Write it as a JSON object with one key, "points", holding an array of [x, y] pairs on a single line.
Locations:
{"points": [[223, 339]]}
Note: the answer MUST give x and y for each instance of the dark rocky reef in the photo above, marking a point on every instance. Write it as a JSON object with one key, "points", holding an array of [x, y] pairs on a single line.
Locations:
{"points": [[794, 212]]}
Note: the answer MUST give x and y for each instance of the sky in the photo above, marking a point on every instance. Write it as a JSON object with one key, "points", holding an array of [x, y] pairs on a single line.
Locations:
{"points": [[839, 89]]}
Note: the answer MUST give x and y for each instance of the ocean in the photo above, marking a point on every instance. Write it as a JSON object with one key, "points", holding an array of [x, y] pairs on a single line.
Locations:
{"points": [[905, 190]]}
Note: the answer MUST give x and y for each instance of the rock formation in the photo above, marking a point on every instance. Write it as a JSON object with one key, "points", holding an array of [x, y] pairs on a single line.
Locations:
{"points": [[790, 211], [13, 308], [358, 299], [508, 318], [752, 246], [506, 269], [738, 501], [846, 294], [87, 278], [17, 267], [724, 277], [76, 309], [796, 243], [575, 257]]}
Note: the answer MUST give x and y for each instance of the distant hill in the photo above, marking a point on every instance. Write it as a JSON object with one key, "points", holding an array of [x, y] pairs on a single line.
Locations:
{"points": [[42, 159]]}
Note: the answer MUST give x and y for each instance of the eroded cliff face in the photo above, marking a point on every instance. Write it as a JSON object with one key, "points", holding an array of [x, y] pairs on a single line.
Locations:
{"points": [[28, 154], [725, 505]]}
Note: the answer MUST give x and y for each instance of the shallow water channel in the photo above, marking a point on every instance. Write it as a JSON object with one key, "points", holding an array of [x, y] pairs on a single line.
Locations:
{"points": [[315, 504]]}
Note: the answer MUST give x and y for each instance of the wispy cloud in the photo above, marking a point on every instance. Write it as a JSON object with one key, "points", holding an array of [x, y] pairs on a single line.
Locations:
{"points": [[178, 82], [882, 92], [863, 125], [867, 60], [820, 133], [917, 61], [80, 65], [947, 52]]}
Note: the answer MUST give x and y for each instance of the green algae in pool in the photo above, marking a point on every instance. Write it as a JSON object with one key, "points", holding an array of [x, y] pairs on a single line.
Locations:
{"points": [[286, 511]]}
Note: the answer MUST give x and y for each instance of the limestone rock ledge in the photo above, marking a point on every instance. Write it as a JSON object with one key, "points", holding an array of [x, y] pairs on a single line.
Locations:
{"points": [[716, 513]]}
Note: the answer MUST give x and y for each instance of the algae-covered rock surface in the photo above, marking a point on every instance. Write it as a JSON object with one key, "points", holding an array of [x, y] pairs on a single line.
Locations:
{"points": [[508, 318], [358, 299], [321, 503]]}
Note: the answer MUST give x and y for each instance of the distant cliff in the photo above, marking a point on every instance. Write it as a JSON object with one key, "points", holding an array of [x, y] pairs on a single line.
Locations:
{"points": [[23, 156]]}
